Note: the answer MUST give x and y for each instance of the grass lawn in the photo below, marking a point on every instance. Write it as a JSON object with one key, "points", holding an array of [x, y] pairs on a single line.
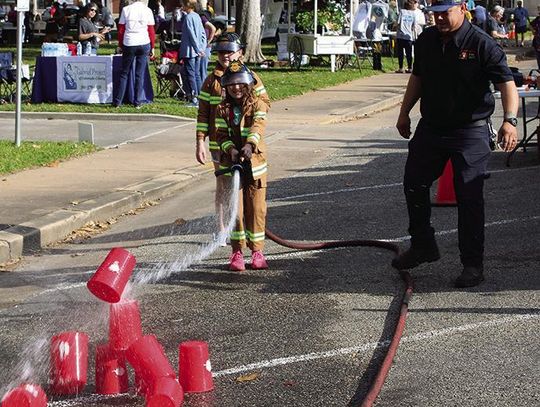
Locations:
{"points": [[280, 82], [38, 154]]}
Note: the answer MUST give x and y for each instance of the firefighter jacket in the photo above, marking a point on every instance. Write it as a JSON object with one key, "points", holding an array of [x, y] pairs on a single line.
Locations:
{"points": [[210, 97], [249, 130]]}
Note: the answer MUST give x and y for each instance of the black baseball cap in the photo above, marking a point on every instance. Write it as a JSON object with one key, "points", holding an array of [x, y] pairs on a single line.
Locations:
{"points": [[440, 6]]}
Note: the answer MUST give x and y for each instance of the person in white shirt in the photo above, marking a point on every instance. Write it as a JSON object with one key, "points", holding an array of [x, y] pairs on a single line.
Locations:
{"points": [[406, 34], [136, 38]]}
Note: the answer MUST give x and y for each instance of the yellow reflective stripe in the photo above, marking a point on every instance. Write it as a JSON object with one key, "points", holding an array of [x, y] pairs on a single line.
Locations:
{"points": [[213, 145], [238, 235], [202, 126], [260, 90], [226, 145], [204, 96], [261, 169], [259, 115], [215, 100], [222, 167], [221, 123], [254, 138], [245, 131], [255, 237]]}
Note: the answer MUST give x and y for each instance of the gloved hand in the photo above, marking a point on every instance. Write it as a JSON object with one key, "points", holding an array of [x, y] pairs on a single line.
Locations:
{"points": [[234, 155], [247, 151]]}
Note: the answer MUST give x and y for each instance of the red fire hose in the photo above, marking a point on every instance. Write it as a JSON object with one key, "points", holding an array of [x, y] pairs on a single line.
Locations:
{"points": [[382, 373]]}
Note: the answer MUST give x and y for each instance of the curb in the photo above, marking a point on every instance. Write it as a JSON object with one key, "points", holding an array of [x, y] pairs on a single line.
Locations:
{"points": [[97, 116], [33, 235]]}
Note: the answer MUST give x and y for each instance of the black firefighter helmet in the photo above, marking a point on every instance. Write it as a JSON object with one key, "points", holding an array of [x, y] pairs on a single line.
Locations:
{"points": [[228, 42], [237, 73]]}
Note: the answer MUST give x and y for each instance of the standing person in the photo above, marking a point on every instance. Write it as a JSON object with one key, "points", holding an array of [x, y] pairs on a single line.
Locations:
{"points": [[228, 48], [192, 49], [107, 20], [88, 31], [521, 18], [136, 38], [535, 26], [240, 121], [210, 31], [454, 65], [406, 34]]}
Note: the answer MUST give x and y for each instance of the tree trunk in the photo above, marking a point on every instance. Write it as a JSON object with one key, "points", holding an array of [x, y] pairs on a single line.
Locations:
{"points": [[249, 27]]}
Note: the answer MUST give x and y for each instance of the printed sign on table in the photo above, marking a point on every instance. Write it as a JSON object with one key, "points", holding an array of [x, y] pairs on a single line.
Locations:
{"points": [[84, 79]]}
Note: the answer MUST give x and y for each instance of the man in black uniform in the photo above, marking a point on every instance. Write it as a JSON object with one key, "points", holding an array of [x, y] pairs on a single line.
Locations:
{"points": [[454, 64]]}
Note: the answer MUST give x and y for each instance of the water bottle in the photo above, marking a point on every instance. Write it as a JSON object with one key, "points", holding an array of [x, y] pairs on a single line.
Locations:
{"points": [[88, 49], [79, 49]]}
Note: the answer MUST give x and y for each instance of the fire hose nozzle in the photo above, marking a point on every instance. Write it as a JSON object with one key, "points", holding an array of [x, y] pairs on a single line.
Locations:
{"points": [[230, 170]]}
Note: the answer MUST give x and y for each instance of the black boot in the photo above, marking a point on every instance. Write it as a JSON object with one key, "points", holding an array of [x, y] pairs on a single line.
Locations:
{"points": [[416, 255], [471, 276]]}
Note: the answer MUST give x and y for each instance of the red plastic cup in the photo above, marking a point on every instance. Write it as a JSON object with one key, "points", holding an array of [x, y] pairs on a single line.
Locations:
{"points": [[166, 392], [110, 279], [69, 362], [141, 388], [195, 370], [124, 324], [111, 372], [25, 395], [148, 359]]}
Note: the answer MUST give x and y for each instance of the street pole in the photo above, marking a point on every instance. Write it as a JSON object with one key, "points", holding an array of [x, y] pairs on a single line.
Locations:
{"points": [[22, 7]]}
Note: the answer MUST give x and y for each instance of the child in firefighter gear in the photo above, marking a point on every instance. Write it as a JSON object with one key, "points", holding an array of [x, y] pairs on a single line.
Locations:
{"points": [[228, 48], [240, 123]]}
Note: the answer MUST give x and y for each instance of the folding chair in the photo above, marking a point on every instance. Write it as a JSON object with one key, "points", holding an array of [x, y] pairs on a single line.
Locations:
{"points": [[8, 83], [169, 80], [363, 50]]}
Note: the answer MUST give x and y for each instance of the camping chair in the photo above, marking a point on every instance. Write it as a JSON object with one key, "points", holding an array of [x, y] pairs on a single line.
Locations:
{"points": [[8, 83], [169, 80]]}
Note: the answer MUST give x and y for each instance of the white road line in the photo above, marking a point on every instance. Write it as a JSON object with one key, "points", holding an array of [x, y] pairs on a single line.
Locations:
{"points": [[337, 191], [379, 186], [148, 135], [372, 345]]}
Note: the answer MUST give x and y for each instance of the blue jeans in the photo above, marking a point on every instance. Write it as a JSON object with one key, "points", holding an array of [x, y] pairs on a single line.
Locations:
{"points": [[204, 64], [137, 55], [191, 76]]}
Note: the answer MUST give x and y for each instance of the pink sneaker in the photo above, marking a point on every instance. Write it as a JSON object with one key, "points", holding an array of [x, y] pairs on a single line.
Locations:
{"points": [[236, 262], [258, 262]]}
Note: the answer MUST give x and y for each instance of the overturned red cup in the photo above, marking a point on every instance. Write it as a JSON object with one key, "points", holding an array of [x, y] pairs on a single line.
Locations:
{"points": [[194, 368], [111, 372], [110, 279], [148, 359], [69, 362], [25, 395], [124, 324], [165, 392]]}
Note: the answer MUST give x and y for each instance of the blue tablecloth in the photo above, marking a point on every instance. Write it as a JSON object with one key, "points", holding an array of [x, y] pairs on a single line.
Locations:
{"points": [[44, 83]]}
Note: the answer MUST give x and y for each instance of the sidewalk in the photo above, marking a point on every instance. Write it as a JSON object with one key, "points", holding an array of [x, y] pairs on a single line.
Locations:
{"points": [[44, 205]]}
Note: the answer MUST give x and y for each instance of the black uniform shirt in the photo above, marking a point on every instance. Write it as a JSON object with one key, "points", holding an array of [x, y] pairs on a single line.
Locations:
{"points": [[455, 77]]}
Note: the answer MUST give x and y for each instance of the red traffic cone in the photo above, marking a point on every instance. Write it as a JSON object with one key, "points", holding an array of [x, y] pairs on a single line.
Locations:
{"points": [[446, 195]]}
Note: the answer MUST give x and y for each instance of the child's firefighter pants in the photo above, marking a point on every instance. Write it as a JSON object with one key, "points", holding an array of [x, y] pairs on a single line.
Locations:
{"points": [[251, 218]]}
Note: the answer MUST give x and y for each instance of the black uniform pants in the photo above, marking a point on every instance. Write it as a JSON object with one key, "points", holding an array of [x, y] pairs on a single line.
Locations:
{"points": [[429, 150]]}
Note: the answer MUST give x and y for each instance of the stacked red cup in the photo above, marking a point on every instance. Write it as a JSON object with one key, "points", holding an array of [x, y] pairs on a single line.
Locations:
{"points": [[69, 362], [111, 372], [25, 395]]}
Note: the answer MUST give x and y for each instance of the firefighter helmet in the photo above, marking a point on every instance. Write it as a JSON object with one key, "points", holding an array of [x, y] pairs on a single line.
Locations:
{"points": [[237, 73], [228, 42]]}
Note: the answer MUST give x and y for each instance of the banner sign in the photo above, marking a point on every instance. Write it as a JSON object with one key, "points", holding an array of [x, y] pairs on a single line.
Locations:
{"points": [[84, 79], [271, 19]]}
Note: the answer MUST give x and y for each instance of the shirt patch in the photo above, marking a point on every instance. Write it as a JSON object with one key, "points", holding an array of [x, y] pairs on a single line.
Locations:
{"points": [[467, 54]]}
